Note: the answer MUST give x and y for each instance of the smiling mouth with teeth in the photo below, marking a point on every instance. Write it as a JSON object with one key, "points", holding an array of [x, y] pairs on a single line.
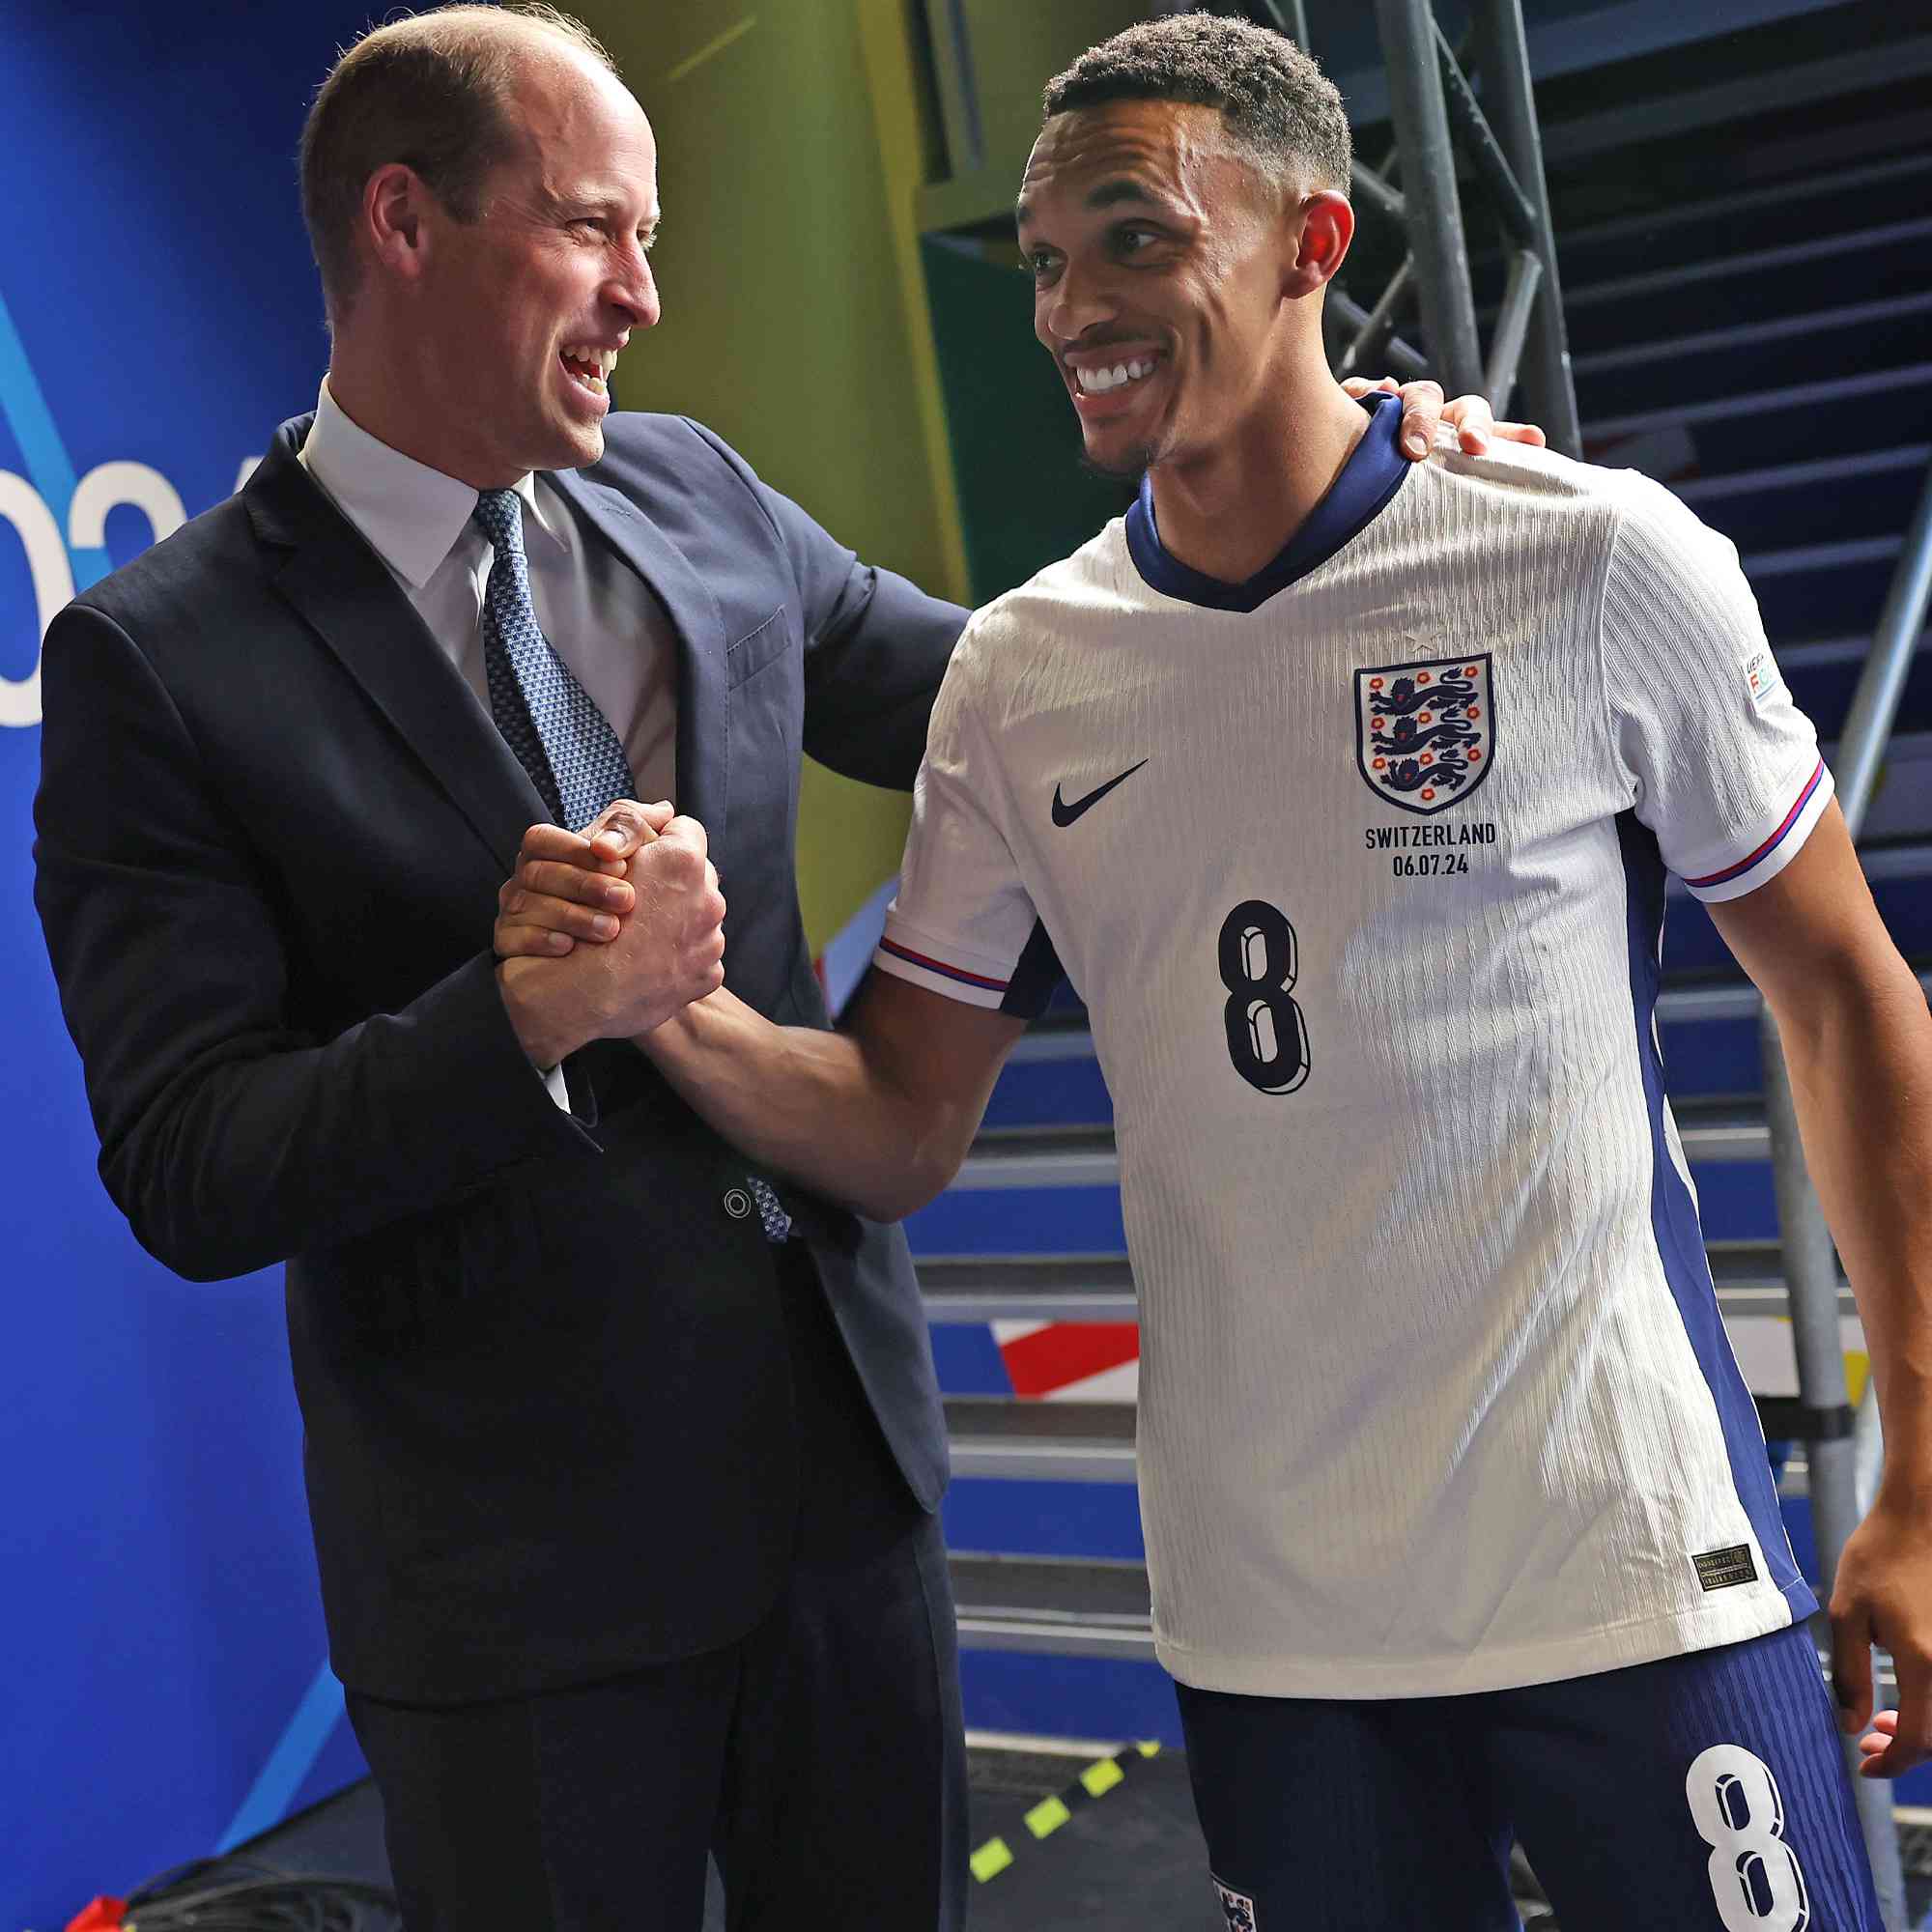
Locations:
{"points": [[1098, 382], [589, 366]]}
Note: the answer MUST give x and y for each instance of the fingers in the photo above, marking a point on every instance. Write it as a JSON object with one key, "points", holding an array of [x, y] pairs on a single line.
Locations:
{"points": [[1360, 386], [1852, 1668], [528, 942], [1514, 432], [1471, 417], [624, 825], [548, 896], [1421, 412], [679, 868], [558, 846], [548, 879], [687, 832], [1872, 1746], [1909, 1727]]}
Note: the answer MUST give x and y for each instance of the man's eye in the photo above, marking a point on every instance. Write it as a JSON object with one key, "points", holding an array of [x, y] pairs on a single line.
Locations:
{"points": [[1040, 265], [1135, 241]]}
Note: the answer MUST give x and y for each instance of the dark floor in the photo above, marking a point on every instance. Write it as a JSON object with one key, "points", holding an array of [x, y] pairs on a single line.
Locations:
{"points": [[1132, 1858], [1127, 1859]]}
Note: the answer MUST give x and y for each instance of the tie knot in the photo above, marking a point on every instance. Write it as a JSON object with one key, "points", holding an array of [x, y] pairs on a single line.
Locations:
{"points": [[500, 516]]}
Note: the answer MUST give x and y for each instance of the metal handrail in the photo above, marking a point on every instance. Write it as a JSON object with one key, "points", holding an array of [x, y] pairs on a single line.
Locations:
{"points": [[1810, 1261]]}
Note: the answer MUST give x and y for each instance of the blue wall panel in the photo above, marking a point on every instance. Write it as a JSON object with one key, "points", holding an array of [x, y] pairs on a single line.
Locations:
{"points": [[158, 1602]]}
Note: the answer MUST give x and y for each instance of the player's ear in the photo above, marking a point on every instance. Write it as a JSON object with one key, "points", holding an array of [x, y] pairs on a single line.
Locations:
{"points": [[1325, 225]]}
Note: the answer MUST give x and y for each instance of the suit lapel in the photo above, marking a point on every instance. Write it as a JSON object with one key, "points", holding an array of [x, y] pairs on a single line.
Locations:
{"points": [[339, 586], [703, 738], [344, 592]]}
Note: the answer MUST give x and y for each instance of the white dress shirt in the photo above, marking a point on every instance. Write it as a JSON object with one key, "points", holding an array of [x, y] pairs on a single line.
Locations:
{"points": [[599, 615]]}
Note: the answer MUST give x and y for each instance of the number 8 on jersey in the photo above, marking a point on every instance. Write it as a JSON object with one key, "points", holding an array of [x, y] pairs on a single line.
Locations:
{"points": [[1268, 1039]]}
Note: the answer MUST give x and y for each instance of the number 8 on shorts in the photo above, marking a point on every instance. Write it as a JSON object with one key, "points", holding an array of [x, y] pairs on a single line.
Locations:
{"points": [[1738, 1812]]}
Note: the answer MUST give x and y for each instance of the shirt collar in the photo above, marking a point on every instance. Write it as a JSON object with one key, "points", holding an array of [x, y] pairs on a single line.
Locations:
{"points": [[409, 514], [1374, 473]]}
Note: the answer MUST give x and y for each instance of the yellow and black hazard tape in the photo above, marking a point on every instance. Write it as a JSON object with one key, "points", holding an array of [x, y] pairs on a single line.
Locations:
{"points": [[1042, 1820]]}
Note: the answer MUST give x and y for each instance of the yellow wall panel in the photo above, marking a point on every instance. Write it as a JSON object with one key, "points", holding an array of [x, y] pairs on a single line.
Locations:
{"points": [[794, 321]]}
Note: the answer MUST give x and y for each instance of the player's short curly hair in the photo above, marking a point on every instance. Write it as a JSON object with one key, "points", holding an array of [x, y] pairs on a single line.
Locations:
{"points": [[1281, 109]]}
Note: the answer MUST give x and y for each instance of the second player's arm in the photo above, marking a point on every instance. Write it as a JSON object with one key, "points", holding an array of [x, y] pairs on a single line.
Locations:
{"points": [[877, 1115], [1858, 1041]]}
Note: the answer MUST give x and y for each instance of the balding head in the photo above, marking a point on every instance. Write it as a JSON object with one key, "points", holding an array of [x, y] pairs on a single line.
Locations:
{"points": [[433, 93]]}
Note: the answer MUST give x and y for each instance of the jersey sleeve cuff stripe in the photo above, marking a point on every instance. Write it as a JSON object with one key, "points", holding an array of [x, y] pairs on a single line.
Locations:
{"points": [[1733, 881], [893, 950]]}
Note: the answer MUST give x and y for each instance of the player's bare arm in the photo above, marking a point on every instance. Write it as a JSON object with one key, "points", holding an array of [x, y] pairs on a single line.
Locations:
{"points": [[877, 1115], [1857, 1040]]}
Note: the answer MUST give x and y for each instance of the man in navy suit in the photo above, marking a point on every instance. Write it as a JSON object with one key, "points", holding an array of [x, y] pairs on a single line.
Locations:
{"points": [[622, 1464]]}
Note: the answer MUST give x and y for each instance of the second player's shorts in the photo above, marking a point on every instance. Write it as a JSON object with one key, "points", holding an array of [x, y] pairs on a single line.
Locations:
{"points": [[1706, 1793]]}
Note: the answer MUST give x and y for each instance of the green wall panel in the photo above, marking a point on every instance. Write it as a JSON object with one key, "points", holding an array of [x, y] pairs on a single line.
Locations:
{"points": [[1024, 498], [787, 323]]}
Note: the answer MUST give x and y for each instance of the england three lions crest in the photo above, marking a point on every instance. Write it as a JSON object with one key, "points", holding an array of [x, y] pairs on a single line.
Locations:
{"points": [[1425, 733]]}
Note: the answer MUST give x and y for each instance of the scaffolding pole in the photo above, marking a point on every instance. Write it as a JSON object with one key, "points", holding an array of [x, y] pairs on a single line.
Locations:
{"points": [[1437, 113], [1433, 208]]}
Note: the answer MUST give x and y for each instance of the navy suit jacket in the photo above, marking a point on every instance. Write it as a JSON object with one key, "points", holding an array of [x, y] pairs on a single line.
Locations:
{"points": [[541, 1364]]}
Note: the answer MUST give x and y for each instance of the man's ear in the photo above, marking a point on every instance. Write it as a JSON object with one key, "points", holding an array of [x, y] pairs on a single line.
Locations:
{"points": [[395, 202], [1326, 226]]}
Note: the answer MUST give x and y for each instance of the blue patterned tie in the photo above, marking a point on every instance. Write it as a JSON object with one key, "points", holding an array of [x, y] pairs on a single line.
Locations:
{"points": [[575, 759]]}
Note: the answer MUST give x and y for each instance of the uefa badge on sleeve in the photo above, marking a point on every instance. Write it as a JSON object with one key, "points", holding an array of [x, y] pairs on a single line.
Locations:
{"points": [[1425, 733]]}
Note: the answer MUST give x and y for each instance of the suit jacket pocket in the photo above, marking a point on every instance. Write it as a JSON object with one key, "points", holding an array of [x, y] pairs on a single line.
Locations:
{"points": [[756, 648]]}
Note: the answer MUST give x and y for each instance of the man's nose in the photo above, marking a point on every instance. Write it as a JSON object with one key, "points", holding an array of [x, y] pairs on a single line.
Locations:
{"points": [[635, 294], [1075, 303]]}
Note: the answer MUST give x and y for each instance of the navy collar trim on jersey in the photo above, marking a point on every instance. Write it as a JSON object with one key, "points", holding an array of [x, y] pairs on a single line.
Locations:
{"points": [[1372, 475]]}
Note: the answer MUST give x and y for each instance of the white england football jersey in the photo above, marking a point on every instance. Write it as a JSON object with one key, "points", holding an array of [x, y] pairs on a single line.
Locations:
{"points": [[1359, 868]]}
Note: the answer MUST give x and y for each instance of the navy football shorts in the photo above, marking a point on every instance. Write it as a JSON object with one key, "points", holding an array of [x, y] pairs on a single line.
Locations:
{"points": [[1705, 1793]]}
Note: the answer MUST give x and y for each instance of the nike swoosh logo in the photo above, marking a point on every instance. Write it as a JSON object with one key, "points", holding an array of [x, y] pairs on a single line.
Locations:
{"points": [[1065, 814]]}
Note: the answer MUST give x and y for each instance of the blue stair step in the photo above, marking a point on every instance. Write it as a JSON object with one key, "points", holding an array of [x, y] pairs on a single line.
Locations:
{"points": [[1019, 1221], [1675, 369], [1687, 232], [1045, 1517], [1824, 676], [1055, 1093], [1823, 499], [1805, 417], [1865, 263], [1736, 1198], [1037, 1695]]}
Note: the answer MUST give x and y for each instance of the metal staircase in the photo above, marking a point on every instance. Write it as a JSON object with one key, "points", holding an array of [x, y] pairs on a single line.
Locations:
{"points": [[1758, 336]]}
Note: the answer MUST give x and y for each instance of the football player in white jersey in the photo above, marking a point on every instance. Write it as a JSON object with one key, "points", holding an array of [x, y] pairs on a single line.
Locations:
{"points": [[1344, 790]]}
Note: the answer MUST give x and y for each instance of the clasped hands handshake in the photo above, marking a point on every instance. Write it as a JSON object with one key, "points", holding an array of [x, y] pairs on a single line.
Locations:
{"points": [[606, 933]]}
